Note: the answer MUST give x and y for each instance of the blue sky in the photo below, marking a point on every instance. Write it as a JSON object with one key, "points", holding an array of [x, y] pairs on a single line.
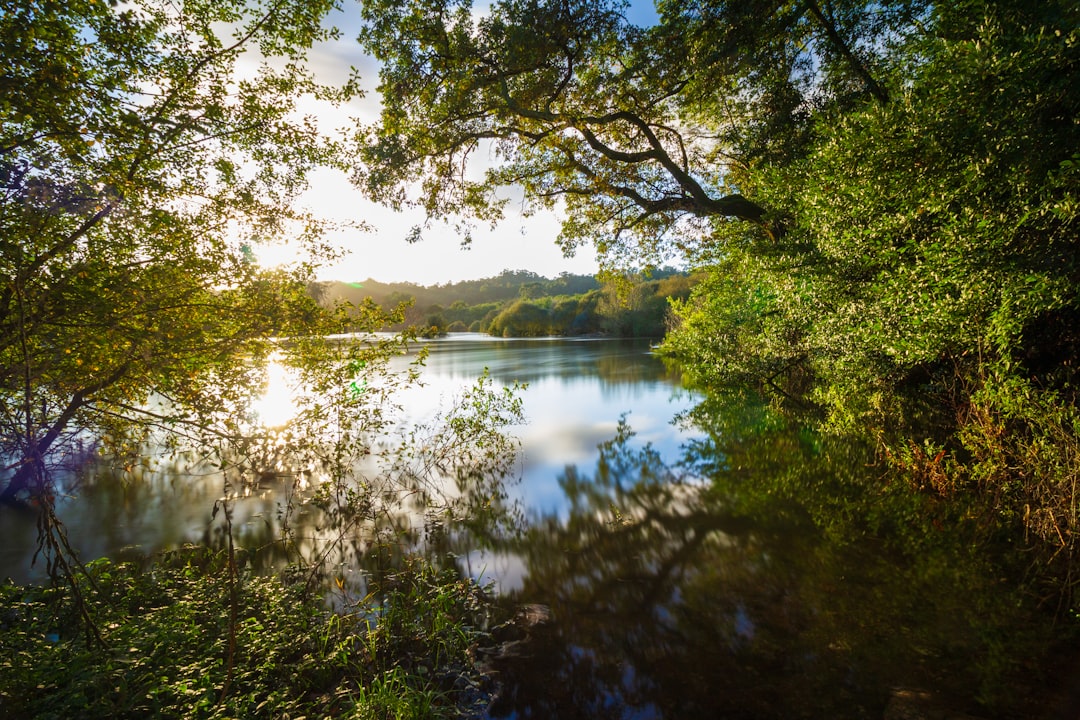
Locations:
{"points": [[518, 243]]}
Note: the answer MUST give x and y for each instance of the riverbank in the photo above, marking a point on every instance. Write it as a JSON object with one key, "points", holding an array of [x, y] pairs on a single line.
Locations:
{"points": [[190, 636]]}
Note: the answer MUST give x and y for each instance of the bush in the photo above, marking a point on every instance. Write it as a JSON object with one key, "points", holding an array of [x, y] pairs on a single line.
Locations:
{"points": [[185, 638], [1024, 447]]}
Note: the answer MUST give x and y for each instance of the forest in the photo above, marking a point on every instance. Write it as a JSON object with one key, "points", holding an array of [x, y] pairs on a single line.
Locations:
{"points": [[523, 304], [876, 204]]}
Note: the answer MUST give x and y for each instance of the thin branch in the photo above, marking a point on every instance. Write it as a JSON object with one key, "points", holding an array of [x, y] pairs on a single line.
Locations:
{"points": [[838, 42]]}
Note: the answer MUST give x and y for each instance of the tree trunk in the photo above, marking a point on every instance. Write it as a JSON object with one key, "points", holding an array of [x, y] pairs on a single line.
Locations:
{"points": [[32, 464]]}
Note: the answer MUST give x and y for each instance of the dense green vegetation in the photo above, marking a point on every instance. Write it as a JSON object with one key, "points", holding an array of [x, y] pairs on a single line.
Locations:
{"points": [[191, 638], [523, 304], [139, 159], [881, 198]]}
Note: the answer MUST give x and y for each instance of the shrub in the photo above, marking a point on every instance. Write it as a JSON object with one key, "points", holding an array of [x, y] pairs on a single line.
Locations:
{"points": [[187, 638]]}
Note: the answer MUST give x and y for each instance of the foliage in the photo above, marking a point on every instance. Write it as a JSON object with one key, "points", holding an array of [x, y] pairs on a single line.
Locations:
{"points": [[521, 319], [916, 233], [629, 130], [467, 301], [143, 148], [535, 82], [518, 304], [1023, 448], [734, 330], [172, 648], [637, 306], [962, 246]]}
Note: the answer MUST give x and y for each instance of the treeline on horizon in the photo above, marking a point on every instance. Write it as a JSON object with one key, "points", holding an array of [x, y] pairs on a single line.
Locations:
{"points": [[521, 303]]}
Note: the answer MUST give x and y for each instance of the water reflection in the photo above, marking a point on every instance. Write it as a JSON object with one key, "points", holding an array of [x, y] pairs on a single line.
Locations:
{"points": [[612, 363], [577, 391], [729, 566], [779, 581], [277, 405]]}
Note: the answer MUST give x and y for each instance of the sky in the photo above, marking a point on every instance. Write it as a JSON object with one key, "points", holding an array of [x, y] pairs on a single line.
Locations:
{"points": [[382, 253]]}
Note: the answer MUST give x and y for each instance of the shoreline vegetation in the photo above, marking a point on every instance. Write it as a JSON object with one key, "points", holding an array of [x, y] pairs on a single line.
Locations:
{"points": [[879, 203], [520, 303], [191, 635]]}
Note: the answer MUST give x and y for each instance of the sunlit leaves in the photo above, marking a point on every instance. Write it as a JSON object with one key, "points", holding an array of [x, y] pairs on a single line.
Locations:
{"points": [[568, 102], [924, 233], [141, 145], [638, 137], [166, 632]]}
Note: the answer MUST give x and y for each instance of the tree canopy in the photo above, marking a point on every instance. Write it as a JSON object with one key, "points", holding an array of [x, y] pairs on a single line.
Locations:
{"points": [[143, 148], [643, 136]]}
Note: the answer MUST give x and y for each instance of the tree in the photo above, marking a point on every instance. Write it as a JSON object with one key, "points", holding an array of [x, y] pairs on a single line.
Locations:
{"points": [[935, 232], [633, 307], [143, 148], [643, 135], [522, 318]]}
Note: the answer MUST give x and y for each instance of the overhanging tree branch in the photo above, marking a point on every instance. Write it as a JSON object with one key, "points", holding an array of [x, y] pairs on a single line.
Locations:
{"points": [[837, 41]]}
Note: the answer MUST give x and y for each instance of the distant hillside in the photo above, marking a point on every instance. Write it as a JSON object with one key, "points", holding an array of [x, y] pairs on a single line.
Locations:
{"points": [[506, 286], [521, 303]]}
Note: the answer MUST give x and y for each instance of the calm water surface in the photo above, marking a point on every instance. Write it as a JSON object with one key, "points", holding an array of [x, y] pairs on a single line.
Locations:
{"points": [[734, 566], [577, 390]]}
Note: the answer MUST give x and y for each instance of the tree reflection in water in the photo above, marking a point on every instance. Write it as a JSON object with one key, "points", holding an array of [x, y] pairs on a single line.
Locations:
{"points": [[770, 574]]}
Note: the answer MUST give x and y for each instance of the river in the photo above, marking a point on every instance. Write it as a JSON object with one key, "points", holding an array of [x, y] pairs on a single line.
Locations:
{"points": [[679, 556]]}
